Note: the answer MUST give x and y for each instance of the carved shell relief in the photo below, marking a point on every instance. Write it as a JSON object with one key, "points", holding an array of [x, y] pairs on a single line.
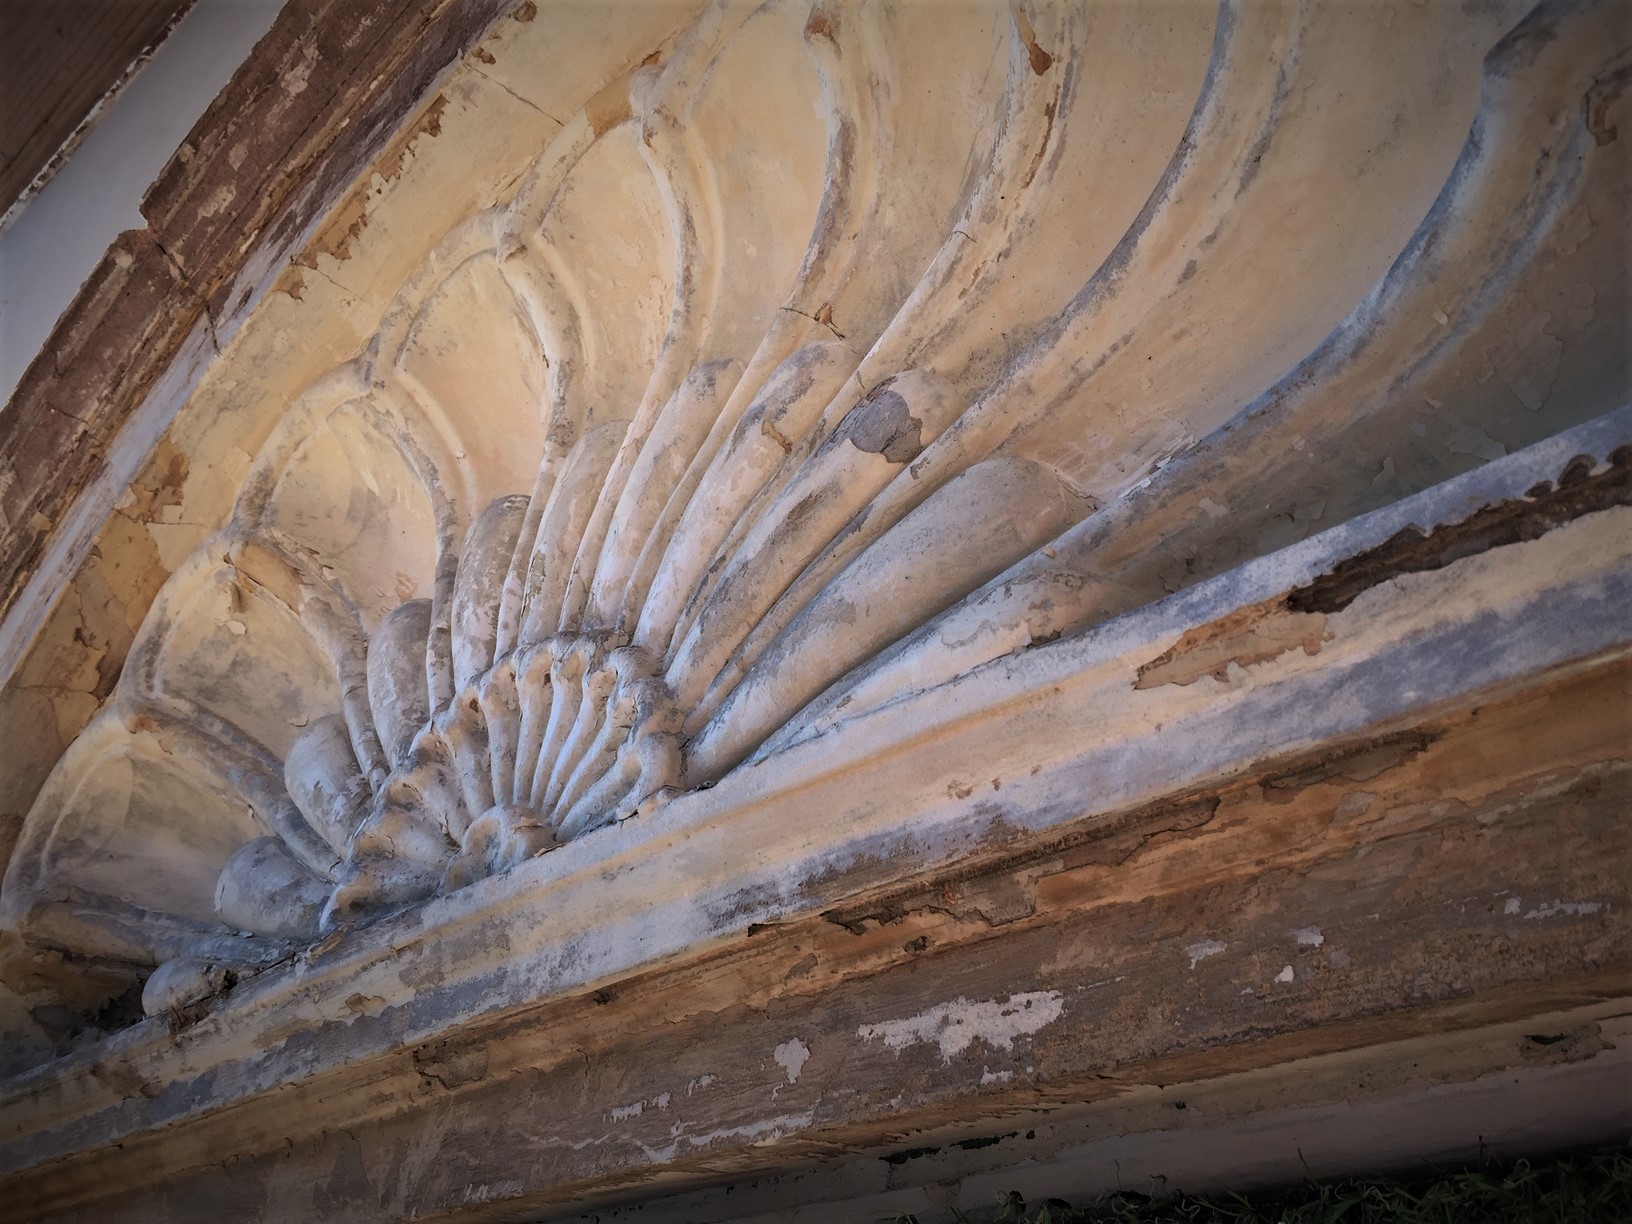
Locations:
{"points": [[833, 352]]}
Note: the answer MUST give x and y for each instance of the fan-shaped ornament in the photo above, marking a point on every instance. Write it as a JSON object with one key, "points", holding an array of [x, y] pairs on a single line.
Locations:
{"points": [[826, 354]]}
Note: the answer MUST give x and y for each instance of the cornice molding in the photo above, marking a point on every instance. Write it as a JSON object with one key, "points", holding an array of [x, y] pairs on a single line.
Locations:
{"points": [[764, 457], [705, 422], [994, 807]]}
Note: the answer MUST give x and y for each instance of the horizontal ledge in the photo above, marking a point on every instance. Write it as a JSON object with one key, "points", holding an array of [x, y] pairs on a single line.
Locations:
{"points": [[1026, 749], [1461, 874]]}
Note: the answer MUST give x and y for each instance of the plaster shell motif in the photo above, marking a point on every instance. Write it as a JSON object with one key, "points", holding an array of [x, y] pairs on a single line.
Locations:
{"points": [[832, 352]]}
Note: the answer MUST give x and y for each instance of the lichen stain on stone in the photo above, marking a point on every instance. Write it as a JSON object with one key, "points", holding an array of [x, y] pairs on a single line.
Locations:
{"points": [[291, 283], [159, 485], [123, 1079], [1254, 634], [1596, 104], [824, 316], [359, 1004], [448, 1068], [81, 650], [1042, 145], [822, 25]]}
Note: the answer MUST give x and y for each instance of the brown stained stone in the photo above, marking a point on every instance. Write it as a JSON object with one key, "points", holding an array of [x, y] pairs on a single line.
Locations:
{"points": [[1262, 632], [1580, 490], [319, 97], [1460, 884], [113, 342]]}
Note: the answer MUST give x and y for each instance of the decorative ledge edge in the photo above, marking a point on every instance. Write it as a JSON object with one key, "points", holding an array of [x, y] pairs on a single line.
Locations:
{"points": [[1093, 726]]}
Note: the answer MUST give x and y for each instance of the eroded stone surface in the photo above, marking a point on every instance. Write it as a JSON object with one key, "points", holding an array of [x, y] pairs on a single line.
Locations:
{"points": [[776, 406]]}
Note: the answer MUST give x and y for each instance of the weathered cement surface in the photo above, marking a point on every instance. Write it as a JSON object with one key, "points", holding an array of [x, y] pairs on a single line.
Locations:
{"points": [[459, 152], [1416, 888], [705, 498], [1161, 936], [1453, 1099], [720, 860], [392, 671]]}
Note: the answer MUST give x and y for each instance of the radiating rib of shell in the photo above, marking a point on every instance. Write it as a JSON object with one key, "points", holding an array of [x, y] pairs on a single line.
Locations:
{"points": [[860, 346], [557, 738]]}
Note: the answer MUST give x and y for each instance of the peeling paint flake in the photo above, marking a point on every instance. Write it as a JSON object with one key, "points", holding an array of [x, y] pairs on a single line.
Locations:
{"points": [[791, 1056], [756, 1134], [623, 1113], [1247, 636], [1567, 909], [956, 1025], [1202, 949]]}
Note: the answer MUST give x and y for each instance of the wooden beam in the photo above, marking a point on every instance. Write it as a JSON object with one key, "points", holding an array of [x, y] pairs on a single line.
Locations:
{"points": [[61, 60]]}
